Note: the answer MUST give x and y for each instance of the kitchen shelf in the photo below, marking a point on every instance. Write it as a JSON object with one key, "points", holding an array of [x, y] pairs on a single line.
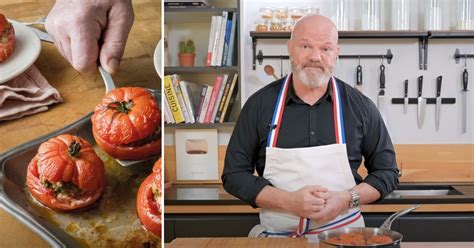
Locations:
{"points": [[422, 36], [200, 69], [203, 9], [200, 125]]}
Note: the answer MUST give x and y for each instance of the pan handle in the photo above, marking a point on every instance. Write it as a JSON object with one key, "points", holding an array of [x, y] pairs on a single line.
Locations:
{"points": [[387, 224]]}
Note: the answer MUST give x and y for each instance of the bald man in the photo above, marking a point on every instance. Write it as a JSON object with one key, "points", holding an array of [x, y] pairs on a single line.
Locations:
{"points": [[306, 135]]}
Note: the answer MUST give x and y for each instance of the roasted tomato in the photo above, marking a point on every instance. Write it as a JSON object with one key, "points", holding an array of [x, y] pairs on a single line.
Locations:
{"points": [[7, 38], [127, 124], [66, 174], [149, 201]]}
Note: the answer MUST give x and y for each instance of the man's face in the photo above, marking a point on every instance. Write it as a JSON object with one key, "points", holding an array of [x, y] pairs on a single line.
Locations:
{"points": [[313, 57]]}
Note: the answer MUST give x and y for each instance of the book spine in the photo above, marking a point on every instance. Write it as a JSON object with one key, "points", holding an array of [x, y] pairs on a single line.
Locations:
{"points": [[211, 41], [219, 98], [201, 101], [216, 40], [205, 104], [226, 38], [167, 111], [179, 95], [187, 99], [172, 100], [221, 39], [232, 89], [232, 39], [222, 102], [212, 101]]}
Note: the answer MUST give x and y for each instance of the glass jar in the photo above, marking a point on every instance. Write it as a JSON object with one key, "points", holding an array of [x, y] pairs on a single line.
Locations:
{"points": [[400, 14], [276, 25], [287, 25], [433, 15], [261, 25], [266, 13], [281, 13], [312, 11], [340, 14], [371, 10], [465, 15], [296, 13]]}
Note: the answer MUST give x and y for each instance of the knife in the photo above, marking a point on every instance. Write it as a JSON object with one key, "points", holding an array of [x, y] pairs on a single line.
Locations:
{"points": [[464, 100], [42, 35], [438, 101], [421, 103], [381, 96], [405, 98]]}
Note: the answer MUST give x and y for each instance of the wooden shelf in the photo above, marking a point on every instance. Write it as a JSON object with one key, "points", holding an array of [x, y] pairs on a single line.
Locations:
{"points": [[200, 69], [451, 34]]}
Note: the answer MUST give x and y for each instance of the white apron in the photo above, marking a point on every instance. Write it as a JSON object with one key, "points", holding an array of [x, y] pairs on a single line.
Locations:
{"points": [[295, 168]]}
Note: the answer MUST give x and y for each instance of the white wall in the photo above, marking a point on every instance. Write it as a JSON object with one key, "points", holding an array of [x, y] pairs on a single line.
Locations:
{"points": [[403, 128]]}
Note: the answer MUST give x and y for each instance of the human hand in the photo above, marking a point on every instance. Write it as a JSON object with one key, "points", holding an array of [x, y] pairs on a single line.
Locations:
{"points": [[305, 203], [336, 203], [87, 30]]}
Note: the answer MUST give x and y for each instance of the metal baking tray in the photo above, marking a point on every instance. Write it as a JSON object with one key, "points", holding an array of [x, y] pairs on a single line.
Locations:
{"points": [[111, 222]]}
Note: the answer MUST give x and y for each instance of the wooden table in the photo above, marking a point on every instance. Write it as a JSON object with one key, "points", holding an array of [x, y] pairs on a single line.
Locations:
{"points": [[80, 93], [286, 242]]}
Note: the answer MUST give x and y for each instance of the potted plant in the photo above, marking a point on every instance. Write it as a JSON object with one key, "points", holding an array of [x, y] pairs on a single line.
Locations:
{"points": [[186, 53]]}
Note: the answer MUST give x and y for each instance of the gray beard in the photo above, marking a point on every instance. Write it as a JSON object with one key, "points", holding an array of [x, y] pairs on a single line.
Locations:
{"points": [[311, 79]]}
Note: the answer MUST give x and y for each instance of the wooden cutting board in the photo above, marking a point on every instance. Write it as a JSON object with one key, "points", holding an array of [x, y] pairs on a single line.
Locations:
{"points": [[80, 93]]}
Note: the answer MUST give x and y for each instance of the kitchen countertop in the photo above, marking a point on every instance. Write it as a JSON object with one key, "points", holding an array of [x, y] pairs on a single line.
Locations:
{"points": [[201, 197], [287, 242], [80, 93]]}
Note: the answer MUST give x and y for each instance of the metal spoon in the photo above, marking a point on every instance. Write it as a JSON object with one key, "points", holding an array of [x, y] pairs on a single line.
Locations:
{"points": [[270, 71]]}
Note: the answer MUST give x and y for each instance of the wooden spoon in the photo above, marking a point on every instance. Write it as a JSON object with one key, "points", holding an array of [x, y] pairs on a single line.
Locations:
{"points": [[270, 71]]}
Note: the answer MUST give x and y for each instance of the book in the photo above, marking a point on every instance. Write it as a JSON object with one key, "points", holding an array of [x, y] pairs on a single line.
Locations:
{"points": [[201, 101], [216, 40], [219, 98], [168, 115], [212, 101], [226, 38], [188, 101], [232, 42], [179, 95], [210, 46], [205, 104], [227, 105], [172, 100], [224, 97], [220, 48]]}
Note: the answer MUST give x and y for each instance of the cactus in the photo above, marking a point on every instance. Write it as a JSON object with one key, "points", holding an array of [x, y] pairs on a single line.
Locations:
{"points": [[187, 47]]}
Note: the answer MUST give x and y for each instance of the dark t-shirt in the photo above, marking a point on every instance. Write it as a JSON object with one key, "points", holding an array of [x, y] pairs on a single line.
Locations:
{"points": [[303, 125]]}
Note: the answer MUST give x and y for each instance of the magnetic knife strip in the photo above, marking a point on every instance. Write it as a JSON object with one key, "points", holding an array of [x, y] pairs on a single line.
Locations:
{"points": [[428, 100]]}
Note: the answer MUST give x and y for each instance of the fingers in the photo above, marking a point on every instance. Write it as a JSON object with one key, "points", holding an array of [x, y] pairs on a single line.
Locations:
{"points": [[120, 20], [84, 48]]}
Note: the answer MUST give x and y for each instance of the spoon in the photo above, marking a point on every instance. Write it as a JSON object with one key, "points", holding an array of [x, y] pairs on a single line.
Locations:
{"points": [[270, 71]]}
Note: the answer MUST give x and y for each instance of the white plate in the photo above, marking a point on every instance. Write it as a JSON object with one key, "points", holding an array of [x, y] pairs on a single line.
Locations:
{"points": [[157, 58], [27, 50]]}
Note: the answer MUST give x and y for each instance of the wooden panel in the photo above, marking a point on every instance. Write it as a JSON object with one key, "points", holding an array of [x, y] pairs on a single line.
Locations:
{"points": [[372, 208], [418, 163]]}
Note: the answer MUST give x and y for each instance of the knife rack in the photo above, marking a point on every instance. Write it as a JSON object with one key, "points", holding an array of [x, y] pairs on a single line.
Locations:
{"points": [[458, 56], [389, 56], [428, 100]]}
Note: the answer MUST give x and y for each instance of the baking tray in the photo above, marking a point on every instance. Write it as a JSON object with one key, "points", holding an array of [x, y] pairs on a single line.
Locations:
{"points": [[111, 222]]}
